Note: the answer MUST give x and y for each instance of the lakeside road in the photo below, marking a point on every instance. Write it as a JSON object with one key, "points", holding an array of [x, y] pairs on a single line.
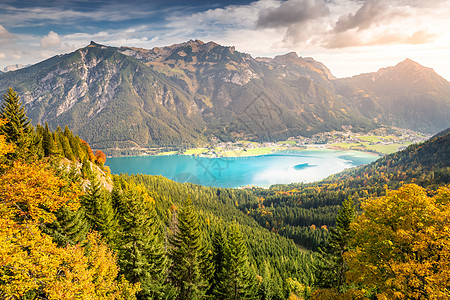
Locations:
{"points": [[276, 167]]}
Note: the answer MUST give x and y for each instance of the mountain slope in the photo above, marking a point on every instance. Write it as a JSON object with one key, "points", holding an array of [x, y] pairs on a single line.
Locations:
{"points": [[253, 98], [108, 98], [407, 95], [186, 94]]}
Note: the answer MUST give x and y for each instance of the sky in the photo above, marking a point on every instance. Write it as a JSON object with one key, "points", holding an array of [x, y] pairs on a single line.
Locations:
{"points": [[349, 36]]}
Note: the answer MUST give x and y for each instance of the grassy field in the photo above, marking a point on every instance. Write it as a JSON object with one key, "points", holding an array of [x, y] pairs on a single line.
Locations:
{"points": [[370, 138], [168, 153], [248, 152], [386, 149], [195, 151], [347, 145], [365, 146], [293, 143]]}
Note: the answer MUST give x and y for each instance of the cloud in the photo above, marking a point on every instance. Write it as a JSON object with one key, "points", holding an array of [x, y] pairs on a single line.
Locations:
{"points": [[50, 40], [78, 15], [292, 12], [371, 11], [376, 23], [4, 34], [353, 39], [219, 19], [2, 55], [301, 19]]}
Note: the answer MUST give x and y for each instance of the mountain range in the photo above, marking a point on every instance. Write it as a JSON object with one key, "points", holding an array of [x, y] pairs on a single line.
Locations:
{"points": [[188, 93]]}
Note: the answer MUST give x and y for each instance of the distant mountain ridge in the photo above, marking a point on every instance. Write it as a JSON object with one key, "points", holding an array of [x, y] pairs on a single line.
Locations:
{"points": [[15, 67], [186, 94], [407, 95]]}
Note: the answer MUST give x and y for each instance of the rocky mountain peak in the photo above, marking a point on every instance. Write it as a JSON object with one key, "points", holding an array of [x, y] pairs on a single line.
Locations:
{"points": [[407, 71], [195, 45], [286, 57], [94, 44], [308, 63], [412, 65]]}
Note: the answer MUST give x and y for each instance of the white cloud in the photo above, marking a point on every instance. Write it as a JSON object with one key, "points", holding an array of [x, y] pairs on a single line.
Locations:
{"points": [[292, 12], [50, 40], [2, 55], [370, 12], [4, 33]]}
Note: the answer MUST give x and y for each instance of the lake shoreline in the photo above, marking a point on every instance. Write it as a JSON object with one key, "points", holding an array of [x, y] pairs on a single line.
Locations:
{"points": [[380, 142], [252, 153], [277, 167]]}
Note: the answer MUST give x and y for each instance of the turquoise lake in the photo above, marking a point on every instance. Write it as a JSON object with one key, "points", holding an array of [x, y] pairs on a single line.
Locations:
{"points": [[265, 170]]}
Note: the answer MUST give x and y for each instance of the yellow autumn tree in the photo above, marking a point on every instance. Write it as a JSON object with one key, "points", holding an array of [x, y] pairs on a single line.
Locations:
{"points": [[31, 264], [401, 245]]}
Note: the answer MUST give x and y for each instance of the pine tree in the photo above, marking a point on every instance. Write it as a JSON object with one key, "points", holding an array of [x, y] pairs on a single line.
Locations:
{"points": [[331, 268], [91, 201], [67, 150], [70, 227], [266, 286], [141, 250], [86, 170], [220, 251], [99, 211], [207, 265], [48, 144], [17, 129], [238, 281], [58, 148], [76, 148], [186, 255], [105, 219]]}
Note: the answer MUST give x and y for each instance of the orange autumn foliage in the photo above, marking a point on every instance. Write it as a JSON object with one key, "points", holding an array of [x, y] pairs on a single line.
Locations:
{"points": [[90, 153], [100, 157]]}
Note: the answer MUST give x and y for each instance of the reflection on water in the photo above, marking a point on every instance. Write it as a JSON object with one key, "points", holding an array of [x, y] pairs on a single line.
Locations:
{"points": [[265, 170]]}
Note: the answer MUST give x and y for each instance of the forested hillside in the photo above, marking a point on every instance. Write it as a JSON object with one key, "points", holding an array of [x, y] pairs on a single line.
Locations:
{"points": [[304, 211], [121, 237]]}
